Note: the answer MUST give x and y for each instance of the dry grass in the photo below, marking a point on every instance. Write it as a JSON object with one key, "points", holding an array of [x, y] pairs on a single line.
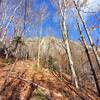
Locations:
{"points": [[27, 82]]}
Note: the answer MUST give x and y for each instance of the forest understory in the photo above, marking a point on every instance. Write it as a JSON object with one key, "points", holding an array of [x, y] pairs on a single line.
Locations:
{"points": [[28, 83], [22, 79], [49, 49]]}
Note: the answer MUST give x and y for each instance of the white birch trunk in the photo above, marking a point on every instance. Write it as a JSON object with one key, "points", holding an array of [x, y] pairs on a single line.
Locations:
{"points": [[66, 42], [39, 52]]}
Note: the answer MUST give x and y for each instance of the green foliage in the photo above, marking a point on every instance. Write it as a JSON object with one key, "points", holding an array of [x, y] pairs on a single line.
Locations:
{"points": [[51, 64], [0, 43], [39, 95], [66, 94], [50, 61], [34, 66], [48, 46], [18, 39], [9, 61]]}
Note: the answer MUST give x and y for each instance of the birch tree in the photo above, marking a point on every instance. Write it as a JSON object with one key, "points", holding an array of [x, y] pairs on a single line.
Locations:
{"points": [[10, 19], [43, 14], [66, 41], [88, 35]]}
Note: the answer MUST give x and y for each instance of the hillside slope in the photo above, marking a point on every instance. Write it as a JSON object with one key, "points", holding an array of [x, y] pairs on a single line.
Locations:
{"points": [[23, 80], [26, 82]]}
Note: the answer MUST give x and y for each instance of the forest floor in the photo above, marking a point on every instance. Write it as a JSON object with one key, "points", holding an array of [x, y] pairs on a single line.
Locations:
{"points": [[22, 80]]}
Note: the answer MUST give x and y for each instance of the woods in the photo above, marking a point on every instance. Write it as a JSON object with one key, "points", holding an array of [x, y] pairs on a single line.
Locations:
{"points": [[49, 50]]}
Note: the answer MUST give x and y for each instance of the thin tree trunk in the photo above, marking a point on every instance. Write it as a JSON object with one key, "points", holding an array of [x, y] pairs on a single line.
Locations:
{"points": [[25, 15], [89, 36], [66, 42], [11, 18], [40, 42], [39, 47], [89, 58]]}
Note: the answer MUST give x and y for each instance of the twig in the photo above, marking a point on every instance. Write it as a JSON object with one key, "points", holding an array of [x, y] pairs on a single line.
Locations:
{"points": [[7, 77], [9, 83], [34, 85], [30, 82]]}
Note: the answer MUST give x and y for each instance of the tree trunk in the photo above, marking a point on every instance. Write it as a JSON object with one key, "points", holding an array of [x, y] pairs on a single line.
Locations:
{"points": [[89, 36], [67, 46], [89, 58], [10, 19], [39, 52]]}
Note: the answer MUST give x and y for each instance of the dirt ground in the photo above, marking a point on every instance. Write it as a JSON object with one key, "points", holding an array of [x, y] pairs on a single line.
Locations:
{"points": [[22, 80]]}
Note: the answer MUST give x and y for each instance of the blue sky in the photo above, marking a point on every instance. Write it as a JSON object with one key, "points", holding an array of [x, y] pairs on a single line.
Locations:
{"points": [[53, 21], [51, 24]]}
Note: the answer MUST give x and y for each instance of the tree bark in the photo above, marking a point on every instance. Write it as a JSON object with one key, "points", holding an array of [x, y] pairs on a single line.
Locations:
{"points": [[89, 36], [67, 46], [89, 58], [10, 19]]}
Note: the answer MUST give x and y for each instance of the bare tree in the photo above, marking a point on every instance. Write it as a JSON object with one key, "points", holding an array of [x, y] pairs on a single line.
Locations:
{"points": [[89, 36], [89, 58], [41, 17], [10, 19], [66, 40]]}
